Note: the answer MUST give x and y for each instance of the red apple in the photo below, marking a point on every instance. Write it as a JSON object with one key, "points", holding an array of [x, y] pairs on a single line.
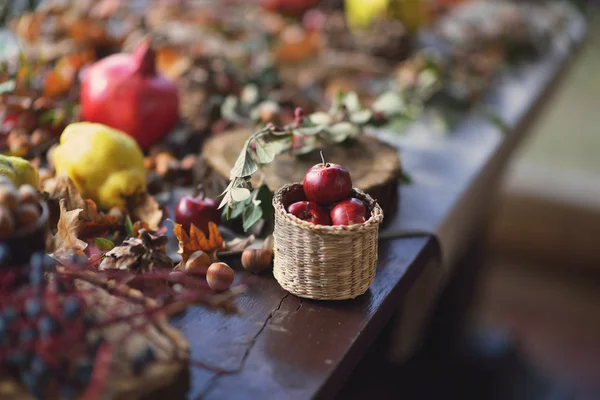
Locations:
{"points": [[198, 210], [327, 183], [293, 8], [309, 211], [348, 212]]}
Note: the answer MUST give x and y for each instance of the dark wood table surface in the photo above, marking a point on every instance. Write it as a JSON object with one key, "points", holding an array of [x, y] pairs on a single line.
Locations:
{"points": [[285, 347]]}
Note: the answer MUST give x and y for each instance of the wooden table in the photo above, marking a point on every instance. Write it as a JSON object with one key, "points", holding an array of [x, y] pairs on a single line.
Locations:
{"points": [[285, 347]]}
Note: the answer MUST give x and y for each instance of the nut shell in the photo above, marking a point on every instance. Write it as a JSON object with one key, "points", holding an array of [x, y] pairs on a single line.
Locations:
{"points": [[198, 263], [27, 215], [219, 276], [257, 260]]}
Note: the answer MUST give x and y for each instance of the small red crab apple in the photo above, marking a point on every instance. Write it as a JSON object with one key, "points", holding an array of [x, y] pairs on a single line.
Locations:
{"points": [[327, 183], [198, 210], [309, 211], [348, 212]]}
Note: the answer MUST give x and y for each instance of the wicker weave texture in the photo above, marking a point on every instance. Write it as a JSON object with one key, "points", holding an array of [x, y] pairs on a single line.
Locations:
{"points": [[324, 262]]}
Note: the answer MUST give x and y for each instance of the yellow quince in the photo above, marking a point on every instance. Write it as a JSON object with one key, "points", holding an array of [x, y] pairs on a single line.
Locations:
{"points": [[105, 164], [19, 171]]}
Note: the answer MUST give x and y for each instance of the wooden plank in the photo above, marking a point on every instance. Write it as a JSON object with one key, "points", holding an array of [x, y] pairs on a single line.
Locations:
{"points": [[283, 346]]}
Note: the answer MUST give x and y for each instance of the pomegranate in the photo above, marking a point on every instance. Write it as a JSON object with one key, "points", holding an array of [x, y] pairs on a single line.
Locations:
{"points": [[125, 92]]}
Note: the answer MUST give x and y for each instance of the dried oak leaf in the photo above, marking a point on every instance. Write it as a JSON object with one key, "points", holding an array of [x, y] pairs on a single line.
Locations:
{"points": [[143, 254], [145, 208], [93, 220], [66, 241], [196, 240]]}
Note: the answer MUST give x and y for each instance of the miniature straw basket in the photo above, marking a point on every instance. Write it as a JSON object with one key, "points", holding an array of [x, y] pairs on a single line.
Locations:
{"points": [[324, 262]]}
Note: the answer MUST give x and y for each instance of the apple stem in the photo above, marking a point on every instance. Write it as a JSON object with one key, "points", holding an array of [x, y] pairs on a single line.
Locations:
{"points": [[322, 157]]}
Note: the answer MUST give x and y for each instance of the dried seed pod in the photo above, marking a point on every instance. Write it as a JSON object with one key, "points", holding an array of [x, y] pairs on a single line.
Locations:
{"points": [[28, 195], [219, 276], [257, 260], [8, 197], [198, 263], [7, 223], [27, 215]]}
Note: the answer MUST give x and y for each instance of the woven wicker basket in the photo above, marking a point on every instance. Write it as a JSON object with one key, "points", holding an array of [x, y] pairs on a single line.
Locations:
{"points": [[324, 262]]}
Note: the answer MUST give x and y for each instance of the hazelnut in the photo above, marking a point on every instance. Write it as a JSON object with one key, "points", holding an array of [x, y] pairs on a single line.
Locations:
{"points": [[198, 263], [7, 223], [257, 260], [219, 276], [28, 194], [177, 277], [8, 197], [27, 215]]}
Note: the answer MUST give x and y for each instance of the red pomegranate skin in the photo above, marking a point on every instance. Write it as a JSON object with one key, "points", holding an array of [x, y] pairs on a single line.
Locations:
{"points": [[309, 211], [327, 183], [348, 212], [292, 8], [125, 92]]}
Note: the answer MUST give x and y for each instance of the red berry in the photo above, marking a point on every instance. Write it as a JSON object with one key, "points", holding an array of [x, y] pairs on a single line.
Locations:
{"points": [[309, 211], [348, 212]]}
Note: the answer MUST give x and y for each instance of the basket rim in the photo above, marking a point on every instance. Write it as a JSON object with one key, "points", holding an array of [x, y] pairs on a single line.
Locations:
{"points": [[373, 222]]}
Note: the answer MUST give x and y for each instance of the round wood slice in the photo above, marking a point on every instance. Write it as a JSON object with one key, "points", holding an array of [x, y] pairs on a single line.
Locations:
{"points": [[373, 165]]}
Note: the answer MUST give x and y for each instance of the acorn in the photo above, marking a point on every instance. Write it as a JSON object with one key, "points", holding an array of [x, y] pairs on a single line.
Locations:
{"points": [[7, 223], [219, 276], [257, 260], [198, 263], [9, 197], [28, 194], [27, 215]]}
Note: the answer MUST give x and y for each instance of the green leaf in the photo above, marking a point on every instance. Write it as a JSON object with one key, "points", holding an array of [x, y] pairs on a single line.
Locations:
{"points": [[245, 164], [361, 117], [320, 118], [309, 130], [264, 151], [343, 130], [128, 226], [252, 214], [265, 196], [8, 86], [389, 103], [405, 179], [103, 244], [229, 109], [351, 102], [250, 94], [239, 194]]}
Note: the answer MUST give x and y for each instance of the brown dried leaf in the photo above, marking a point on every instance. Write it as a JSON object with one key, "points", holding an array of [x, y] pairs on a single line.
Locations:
{"points": [[146, 210], [66, 242], [239, 244], [143, 254], [196, 240], [93, 221]]}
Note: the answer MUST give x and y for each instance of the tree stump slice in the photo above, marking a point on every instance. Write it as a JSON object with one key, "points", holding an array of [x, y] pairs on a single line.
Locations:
{"points": [[373, 165]]}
